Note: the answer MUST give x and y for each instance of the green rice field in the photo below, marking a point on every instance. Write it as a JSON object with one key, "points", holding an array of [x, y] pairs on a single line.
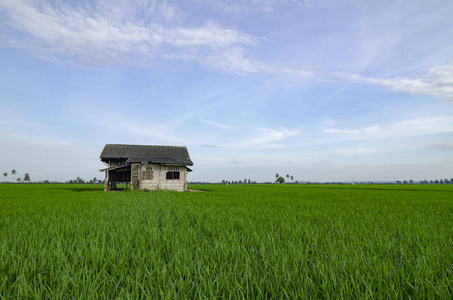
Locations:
{"points": [[62, 241]]}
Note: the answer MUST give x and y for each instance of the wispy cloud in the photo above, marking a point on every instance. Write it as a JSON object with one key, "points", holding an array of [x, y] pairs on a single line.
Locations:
{"points": [[61, 33], [411, 127], [115, 33], [441, 147], [358, 151], [366, 130], [438, 82], [216, 124], [249, 7], [266, 137], [269, 6], [250, 138]]}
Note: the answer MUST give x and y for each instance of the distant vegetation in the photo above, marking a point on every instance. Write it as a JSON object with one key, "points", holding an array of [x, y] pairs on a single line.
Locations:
{"points": [[79, 180], [71, 241], [14, 173], [281, 180], [278, 179]]}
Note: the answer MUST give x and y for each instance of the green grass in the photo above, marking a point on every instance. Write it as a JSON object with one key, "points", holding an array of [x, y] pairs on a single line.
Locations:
{"points": [[245, 241]]}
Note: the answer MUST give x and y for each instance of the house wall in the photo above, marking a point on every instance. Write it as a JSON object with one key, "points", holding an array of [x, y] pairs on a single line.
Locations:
{"points": [[156, 179]]}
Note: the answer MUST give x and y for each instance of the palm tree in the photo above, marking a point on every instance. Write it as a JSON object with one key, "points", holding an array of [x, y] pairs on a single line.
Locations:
{"points": [[27, 177], [18, 179], [5, 174], [13, 172], [287, 176], [276, 176], [292, 178]]}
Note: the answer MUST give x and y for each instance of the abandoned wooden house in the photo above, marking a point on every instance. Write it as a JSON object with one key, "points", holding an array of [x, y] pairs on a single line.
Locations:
{"points": [[146, 167]]}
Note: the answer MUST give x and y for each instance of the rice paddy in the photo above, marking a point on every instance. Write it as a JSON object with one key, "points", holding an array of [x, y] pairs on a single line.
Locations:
{"points": [[236, 241]]}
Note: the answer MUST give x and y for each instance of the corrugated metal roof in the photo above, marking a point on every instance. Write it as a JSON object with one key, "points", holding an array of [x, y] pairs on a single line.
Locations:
{"points": [[147, 153]]}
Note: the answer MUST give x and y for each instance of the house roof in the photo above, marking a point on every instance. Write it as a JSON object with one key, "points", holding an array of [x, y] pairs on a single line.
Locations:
{"points": [[116, 168], [177, 155]]}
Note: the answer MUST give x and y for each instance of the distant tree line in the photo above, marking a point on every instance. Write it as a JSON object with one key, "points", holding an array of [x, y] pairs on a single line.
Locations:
{"points": [[79, 180], [26, 179], [14, 173], [280, 180], [436, 181], [245, 181]]}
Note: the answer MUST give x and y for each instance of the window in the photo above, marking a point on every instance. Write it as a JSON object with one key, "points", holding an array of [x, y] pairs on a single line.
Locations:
{"points": [[172, 174], [147, 168]]}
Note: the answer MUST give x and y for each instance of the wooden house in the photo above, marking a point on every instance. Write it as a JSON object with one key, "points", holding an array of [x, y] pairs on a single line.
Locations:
{"points": [[146, 167]]}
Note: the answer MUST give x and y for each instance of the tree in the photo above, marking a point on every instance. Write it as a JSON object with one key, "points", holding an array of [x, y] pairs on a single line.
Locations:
{"points": [[18, 179], [13, 172], [5, 174], [281, 180], [276, 177], [27, 177], [292, 178]]}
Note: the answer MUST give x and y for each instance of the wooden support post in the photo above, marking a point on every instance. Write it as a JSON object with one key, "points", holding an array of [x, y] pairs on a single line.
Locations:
{"points": [[106, 182]]}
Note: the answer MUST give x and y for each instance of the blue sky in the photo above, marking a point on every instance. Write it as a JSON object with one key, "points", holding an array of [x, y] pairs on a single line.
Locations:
{"points": [[323, 90]]}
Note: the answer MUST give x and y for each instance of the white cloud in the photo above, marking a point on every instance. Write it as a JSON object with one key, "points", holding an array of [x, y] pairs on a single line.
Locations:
{"points": [[338, 130], [216, 124], [249, 137], [412, 127], [250, 7], [296, 73], [438, 82], [102, 36], [266, 137], [367, 130], [133, 32]]}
